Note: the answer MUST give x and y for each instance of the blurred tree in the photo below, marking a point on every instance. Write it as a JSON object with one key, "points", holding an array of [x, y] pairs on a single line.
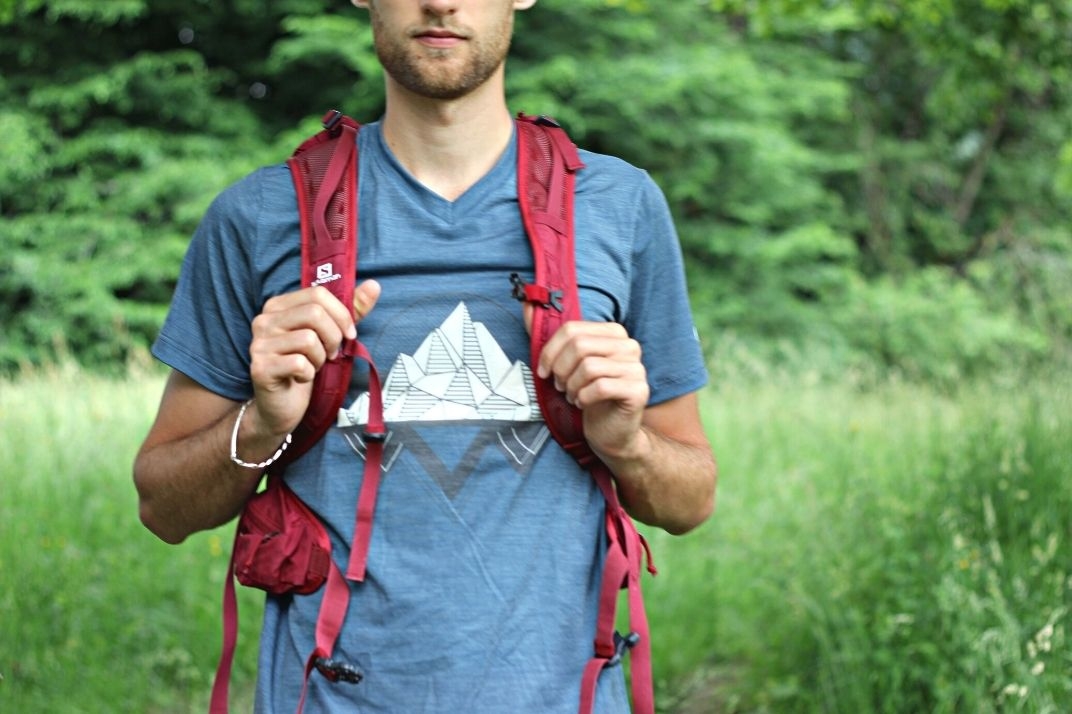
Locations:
{"points": [[960, 110], [818, 156], [121, 122]]}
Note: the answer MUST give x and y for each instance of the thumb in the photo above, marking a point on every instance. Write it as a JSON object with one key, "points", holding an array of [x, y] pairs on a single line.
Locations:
{"points": [[365, 296]]}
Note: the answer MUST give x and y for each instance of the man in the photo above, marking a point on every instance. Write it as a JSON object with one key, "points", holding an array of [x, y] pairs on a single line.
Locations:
{"points": [[486, 550]]}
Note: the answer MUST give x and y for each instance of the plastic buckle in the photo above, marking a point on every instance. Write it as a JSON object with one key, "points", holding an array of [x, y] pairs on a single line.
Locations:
{"points": [[537, 294], [545, 120], [621, 644], [335, 671], [518, 291], [379, 436], [331, 119]]}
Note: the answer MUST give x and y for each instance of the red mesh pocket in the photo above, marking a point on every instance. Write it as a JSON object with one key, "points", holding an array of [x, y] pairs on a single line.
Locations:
{"points": [[281, 546]]}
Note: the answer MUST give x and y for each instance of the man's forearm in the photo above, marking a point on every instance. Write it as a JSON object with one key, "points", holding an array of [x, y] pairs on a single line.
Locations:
{"points": [[666, 483], [191, 484]]}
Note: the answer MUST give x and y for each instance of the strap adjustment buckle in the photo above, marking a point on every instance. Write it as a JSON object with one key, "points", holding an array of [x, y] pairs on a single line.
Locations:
{"points": [[331, 119], [538, 294], [545, 120], [377, 436], [335, 671], [621, 645]]}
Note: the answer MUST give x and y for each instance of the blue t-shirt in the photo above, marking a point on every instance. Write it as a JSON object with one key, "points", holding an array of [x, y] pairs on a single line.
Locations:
{"points": [[487, 545]]}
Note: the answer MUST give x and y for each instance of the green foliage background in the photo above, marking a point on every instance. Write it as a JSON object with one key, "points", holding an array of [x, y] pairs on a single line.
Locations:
{"points": [[873, 185], [862, 187]]}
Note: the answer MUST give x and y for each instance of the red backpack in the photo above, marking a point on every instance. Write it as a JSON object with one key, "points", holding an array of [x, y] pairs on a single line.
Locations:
{"points": [[280, 545]]}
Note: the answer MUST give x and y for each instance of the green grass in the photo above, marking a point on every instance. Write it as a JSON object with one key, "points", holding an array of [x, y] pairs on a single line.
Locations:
{"points": [[96, 615], [889, 549], [882, 550]]}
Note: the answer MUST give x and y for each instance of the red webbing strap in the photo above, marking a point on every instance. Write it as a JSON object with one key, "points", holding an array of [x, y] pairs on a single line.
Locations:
{"points": [[547, 163], [375, 435], [221, 685], [329, 258], [329, 239], [624, 560], [339, 251], [329, 622], [336, 598], [324, 173], [616, 569], [546, 168]]}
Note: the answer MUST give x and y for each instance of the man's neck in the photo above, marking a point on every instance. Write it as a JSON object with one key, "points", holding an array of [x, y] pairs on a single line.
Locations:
{"points": [[447, 145]]}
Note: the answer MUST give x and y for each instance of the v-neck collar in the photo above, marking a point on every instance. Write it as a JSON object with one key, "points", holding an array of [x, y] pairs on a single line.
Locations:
{"points": [[446, 210]]}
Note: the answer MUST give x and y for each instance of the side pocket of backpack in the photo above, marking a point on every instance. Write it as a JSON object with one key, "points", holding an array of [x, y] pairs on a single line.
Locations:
{"points": [[281, 546]]}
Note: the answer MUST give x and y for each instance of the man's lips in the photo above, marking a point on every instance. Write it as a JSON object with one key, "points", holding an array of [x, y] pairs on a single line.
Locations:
{"points": [[439, 38]]}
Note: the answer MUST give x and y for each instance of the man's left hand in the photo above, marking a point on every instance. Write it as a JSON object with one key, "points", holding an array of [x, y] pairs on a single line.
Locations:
{"points": [[597, 365]]}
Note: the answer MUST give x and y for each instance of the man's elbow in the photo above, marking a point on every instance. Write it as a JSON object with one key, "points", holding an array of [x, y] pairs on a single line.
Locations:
{"points": [[159, 526], [702, 507], [158, 519]]}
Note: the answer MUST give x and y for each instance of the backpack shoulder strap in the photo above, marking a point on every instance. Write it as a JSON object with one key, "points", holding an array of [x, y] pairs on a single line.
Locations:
{"points": [[546, 173], [324, 169], [324, 172], [547, 164]]}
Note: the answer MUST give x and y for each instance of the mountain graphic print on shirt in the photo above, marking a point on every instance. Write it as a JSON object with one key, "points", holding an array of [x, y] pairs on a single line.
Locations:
{"points": [[458, 374]]}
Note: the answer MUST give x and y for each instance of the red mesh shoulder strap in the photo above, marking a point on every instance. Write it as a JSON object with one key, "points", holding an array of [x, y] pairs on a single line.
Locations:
{"points": [[546, 166], [324, 169], [546, 174]]}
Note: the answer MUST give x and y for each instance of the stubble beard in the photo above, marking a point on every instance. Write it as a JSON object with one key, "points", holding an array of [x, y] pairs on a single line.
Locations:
{"points": [[441, 74]]}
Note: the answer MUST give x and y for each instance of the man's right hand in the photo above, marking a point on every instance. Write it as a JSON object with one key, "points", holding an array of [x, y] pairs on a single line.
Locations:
{"points": [[185, 480], [295, 334]]}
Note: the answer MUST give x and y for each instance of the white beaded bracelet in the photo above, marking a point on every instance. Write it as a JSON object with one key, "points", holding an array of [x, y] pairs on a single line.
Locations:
{"points": [[234, 444]]}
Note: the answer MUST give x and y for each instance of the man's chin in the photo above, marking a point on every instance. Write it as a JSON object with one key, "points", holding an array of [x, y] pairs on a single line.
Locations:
{"points": [[443, 85]]}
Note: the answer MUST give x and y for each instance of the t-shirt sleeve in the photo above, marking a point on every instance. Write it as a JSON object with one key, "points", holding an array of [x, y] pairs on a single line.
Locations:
{"points": [[659, 314], [207, 332]]}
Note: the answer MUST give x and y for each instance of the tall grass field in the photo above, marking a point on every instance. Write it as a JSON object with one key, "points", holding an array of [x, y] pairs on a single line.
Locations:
{"points": [[880, 549]]}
